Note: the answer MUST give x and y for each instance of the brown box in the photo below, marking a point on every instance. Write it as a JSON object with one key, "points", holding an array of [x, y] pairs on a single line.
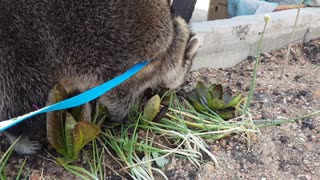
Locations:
{"points": [[218, 9]]}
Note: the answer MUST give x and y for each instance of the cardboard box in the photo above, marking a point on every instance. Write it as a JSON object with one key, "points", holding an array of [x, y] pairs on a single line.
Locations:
{"points": [[218, 9]]}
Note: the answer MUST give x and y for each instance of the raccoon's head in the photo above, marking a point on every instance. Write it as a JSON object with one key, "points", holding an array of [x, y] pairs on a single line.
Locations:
{"points": [[185, 40]]}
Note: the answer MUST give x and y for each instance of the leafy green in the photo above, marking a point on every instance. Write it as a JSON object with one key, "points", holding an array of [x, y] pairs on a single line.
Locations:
{"points": [[212, 98], [69, 131], [152, 107]]}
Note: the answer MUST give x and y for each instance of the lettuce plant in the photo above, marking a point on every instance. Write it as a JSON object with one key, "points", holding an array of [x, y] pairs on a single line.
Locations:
{"points": [[68, 131], [212, 98]]}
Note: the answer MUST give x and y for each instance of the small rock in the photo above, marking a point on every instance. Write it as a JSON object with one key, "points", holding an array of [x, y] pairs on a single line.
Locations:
{"points": [[303, 177], [35, 176], [54, 169], [294, 147], [259, 74], [223, 142], [303, 93], [207, 172], [297, 77], [308, 146], [284, 139], [276, 93], [307, 123], [302, 139], [306, 161], [170, 173], [238, 84]]}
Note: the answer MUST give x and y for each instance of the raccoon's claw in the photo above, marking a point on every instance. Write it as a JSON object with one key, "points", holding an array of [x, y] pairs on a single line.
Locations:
{"points": [[25, 146]]}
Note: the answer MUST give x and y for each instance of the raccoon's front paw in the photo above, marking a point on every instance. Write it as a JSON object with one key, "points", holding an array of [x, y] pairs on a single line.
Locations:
{"points": [[26, 146], [120, 116], [119, 102]]}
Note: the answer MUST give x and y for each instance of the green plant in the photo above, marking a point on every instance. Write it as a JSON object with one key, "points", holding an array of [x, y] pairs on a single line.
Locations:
{"points": [[142, 147], [21, 169], [256, 64], [4, 161], [69, 131], [213, 98]]}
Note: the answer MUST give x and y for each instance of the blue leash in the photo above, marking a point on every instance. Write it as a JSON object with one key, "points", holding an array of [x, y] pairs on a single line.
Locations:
{"points": [[79, 99]]}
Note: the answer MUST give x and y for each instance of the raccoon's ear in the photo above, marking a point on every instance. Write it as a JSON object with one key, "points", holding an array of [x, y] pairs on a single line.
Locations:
{"points": [[193, 45], [170, 2]]}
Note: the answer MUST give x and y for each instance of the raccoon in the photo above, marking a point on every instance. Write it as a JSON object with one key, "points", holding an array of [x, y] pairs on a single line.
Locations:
{"points": [[81, 44]]}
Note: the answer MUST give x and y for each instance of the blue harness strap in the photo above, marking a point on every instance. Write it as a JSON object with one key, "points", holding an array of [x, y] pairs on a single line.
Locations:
{"points": [[79, 99]]}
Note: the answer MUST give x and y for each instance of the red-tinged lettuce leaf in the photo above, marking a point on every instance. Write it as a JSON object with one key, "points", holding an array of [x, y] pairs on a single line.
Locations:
{"points": [[86, 113], [55, 120], [82, 113], [83, 133]]}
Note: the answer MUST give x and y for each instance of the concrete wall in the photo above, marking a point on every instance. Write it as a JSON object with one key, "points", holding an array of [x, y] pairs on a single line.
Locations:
{"points": [[225, 43]]}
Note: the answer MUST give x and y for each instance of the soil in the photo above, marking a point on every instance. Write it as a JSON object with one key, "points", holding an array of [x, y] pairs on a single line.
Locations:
{"points": [[288, 151]]}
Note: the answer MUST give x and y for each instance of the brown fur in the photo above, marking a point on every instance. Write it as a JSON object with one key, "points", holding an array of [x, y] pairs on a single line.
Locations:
{"points": [[82, 44]]}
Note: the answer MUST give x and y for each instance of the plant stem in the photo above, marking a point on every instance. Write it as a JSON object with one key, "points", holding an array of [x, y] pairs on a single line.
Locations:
{"points": [[291, 39], [245, 110], [267, 123]]}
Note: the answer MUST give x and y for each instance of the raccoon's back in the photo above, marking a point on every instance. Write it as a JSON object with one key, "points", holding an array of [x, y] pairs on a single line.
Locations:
{"points": [[40, 39], [85, 33]]}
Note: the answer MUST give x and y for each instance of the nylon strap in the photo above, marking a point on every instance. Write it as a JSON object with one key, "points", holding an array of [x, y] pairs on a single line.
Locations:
{"points": [[79, 99]]}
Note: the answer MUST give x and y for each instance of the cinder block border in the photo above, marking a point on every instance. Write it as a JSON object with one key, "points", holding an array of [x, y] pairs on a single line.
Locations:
{"points": [[225, 43]]}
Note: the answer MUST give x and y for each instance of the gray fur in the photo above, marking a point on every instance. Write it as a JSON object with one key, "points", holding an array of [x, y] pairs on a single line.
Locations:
{"points": [[81, 44]]}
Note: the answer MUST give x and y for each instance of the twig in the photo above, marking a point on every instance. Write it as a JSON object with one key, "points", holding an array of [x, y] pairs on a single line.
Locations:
{"points": [[284, 65]]}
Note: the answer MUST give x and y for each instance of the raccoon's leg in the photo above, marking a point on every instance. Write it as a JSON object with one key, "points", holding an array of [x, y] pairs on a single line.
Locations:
{"points": [[20, 95], [24, 144], [24, 130], [121, 99]]}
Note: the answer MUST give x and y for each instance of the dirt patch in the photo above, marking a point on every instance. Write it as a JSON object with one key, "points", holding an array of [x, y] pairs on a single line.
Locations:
{"points": [[290, 151]]}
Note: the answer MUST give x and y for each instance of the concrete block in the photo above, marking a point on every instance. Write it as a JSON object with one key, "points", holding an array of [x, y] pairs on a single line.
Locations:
{"points": [[225, 43]]}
